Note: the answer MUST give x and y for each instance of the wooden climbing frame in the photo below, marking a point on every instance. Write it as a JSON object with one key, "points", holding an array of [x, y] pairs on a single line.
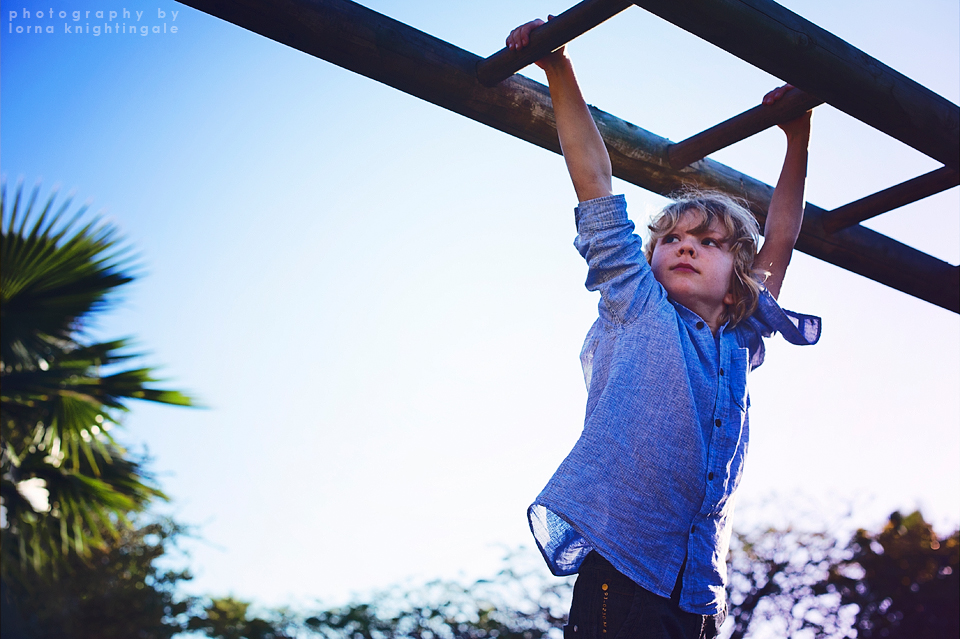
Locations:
{"points": [[761, 32]]}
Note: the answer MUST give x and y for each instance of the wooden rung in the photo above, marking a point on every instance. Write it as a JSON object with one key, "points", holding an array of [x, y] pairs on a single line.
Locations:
{"points": [[787, 46], [356, 38], [889, 199], [792, 105], [573, 22]]}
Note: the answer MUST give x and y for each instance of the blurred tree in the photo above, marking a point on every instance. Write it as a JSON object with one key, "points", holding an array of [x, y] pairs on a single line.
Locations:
{"points": [[789, 583], [774, 584], [121, 591], [900, 582], [519, 603], [67, 487], [64, 480], [118, 591], [904, 579], [228, 618]]}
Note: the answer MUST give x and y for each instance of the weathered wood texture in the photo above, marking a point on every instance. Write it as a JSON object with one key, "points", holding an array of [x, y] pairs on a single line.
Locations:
{"points": [[888, 199], [400, 56], [792, 105], [782, 43], [570, 24]]}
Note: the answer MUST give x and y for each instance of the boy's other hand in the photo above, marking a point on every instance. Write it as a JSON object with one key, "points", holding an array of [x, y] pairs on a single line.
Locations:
{"points": [[520, 37], [798, 127], [776, 94]]}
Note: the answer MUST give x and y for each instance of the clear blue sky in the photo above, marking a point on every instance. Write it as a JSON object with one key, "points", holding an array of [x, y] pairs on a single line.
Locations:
{"points": [[380, 305]]}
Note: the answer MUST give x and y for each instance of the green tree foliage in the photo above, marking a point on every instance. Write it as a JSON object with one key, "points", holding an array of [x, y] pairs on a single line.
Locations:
{"points": [[65, 482], [229, 618], [118, 591], [516, 604], [905, 580], [784, 583], [774, 582], [122, 590], [901, 582]]}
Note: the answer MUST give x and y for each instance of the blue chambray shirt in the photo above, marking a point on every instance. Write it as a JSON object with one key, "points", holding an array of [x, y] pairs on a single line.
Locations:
{"points": [[651, 480]]}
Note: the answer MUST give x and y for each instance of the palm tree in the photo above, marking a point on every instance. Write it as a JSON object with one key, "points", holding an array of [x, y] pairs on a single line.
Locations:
{"points": [[65, 481]]}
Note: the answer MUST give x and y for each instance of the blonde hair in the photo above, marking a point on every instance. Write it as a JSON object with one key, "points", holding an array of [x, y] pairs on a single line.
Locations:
{"points": [[742, 233]]}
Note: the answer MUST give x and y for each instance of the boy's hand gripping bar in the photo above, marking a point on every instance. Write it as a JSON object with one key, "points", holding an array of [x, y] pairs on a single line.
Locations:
{"points": [[792, 105], [547, 38]]}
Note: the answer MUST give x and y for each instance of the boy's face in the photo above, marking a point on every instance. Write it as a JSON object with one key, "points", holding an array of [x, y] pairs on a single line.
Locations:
{"points": [[695, 268]]}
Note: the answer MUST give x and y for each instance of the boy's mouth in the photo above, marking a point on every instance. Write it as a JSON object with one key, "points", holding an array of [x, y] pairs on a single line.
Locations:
{"points": [[683, 266]]}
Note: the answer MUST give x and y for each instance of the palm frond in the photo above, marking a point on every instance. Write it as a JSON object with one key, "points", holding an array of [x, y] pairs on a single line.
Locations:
{"points": [[83, 505], [53, 276], [59, 396]]}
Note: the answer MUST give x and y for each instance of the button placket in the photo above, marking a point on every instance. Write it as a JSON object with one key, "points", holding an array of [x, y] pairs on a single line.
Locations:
{"points": [[723, 436], [718, 443]]}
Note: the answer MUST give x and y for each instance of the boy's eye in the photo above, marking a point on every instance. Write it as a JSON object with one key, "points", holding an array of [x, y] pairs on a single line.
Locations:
{"points": [[668, 239], [709, 241]]}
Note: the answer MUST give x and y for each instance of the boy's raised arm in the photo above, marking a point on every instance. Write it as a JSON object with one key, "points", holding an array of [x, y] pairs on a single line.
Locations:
{"points": [[785, 215], [583, 150]]}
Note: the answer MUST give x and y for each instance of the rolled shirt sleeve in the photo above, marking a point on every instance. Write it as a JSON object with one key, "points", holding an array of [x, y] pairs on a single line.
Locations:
{"points": [[616, 264]]}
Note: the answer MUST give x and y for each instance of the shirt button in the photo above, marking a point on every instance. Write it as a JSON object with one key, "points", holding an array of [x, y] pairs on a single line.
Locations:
{"points": [[693, 529], [717, 423], [709, 475], [721, 372], [700, 324]]}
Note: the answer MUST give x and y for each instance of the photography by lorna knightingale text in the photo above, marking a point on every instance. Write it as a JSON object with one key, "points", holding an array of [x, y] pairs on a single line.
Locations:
{"points": [[92, 22]]}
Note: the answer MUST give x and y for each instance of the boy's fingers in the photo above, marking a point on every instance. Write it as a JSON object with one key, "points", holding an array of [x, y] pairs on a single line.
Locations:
{"points": [[776, 94], [515, 38], [527, 28], [520, 37]]}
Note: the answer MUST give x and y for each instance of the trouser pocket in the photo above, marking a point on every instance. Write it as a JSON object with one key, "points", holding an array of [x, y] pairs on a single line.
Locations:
{"points": [[603, 600]]}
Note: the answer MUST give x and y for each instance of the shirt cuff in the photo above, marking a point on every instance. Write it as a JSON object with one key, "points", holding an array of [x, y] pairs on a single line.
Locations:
{"points": [[796, 328], [600, 213]]}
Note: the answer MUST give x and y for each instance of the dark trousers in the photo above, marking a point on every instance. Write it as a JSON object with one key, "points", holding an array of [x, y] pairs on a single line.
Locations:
{"points": [[609, 605]]}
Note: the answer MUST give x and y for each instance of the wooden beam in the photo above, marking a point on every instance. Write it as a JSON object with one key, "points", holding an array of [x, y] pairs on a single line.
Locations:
{"points": [[567, 26], [400, 56], [782, 43], [889, 199], [792, 105]]}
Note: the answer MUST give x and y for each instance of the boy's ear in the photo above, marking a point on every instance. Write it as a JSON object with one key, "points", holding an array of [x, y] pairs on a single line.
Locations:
{"points": [[728, 299]]}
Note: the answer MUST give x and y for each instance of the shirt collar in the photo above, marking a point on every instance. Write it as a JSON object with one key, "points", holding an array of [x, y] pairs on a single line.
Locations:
{"points": [[692, 319]]}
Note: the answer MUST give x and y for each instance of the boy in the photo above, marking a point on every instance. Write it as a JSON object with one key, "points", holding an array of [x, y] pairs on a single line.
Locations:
{"points": [[641, 507]]}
